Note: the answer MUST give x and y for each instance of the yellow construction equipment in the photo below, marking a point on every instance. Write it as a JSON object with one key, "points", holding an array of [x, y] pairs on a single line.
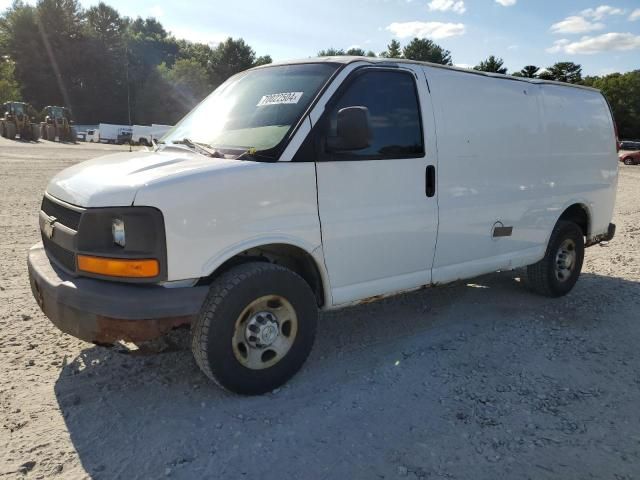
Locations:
{"points": [[15, 120], [58, 125]]}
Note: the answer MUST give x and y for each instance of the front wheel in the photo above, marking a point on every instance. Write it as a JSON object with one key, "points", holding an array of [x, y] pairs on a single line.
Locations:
{"points": [[51, 133], [557, 273], [255, 329], [10, 130], [628, 161]]}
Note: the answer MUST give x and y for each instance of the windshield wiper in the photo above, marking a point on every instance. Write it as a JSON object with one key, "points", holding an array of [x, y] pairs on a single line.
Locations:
{"points": [[201, 147], [252, 152]]}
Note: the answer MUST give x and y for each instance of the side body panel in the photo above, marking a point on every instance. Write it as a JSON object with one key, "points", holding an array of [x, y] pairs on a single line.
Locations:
{"points": [[581, 137], [516, 153], [212, 216]]}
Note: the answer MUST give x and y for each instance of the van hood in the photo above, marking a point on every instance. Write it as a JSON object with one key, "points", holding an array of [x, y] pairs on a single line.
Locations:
{"points": [[114, 180]]}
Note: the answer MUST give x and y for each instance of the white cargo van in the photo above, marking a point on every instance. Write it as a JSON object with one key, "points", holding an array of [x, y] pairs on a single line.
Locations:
{"points": [[320, 184], [92, 135]]}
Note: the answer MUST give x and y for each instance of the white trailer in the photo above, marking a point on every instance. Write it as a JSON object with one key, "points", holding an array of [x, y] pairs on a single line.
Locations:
{"points": [[145, 135], [111, 133]]}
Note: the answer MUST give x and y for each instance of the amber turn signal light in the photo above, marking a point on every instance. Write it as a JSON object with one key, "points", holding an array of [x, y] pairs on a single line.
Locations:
{"points": [[118, 267]]}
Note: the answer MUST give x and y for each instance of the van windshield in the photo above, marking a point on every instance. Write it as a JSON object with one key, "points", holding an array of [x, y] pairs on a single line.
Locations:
{"points": [[253, 110]]}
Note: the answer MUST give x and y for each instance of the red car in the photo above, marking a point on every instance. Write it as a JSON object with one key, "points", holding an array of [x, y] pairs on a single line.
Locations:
{"points": [[629, 152], [629, 157]]}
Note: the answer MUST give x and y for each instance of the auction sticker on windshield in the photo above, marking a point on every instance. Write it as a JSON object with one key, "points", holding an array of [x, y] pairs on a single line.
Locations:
{"points": [[280, 99]]}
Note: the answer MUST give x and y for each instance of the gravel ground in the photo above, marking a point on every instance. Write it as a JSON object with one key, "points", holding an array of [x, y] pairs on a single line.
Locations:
{"points": [[469, 381]]}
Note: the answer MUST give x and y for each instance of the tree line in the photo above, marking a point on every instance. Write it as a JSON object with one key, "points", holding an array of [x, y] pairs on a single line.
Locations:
{"points": [[107, 67], [110, 68]]}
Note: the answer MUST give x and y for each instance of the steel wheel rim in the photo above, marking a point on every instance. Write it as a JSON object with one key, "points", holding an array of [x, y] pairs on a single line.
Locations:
{"points": [[565, 260], [264, 332]]}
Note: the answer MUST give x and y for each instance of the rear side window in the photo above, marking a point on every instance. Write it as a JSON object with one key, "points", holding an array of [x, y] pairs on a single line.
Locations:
{"points": [[392, 100]]}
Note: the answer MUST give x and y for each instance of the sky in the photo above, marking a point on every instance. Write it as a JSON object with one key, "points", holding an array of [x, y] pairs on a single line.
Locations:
{"points": [[602, 37]]}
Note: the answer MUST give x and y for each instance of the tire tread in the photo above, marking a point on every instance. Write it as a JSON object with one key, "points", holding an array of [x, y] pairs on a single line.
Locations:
{"points": [[219, 290], [539, 273]]}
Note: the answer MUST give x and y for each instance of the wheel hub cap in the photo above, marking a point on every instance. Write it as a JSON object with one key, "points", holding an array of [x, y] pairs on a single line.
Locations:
{"points": [[565, 260], [262, 330], [265, 332]]}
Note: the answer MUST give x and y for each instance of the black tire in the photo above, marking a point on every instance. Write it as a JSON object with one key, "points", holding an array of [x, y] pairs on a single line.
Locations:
{"points": [[51, 133], [35, 132], [2, 134], [214, 330], [547, 277], [628, 161], [10, 130]]}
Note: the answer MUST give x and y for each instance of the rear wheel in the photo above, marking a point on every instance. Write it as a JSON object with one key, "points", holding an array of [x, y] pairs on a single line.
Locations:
{"points": [[35, 132], [557, 273], [25, 132], [255, 329], [2, 133], [628, 161]]}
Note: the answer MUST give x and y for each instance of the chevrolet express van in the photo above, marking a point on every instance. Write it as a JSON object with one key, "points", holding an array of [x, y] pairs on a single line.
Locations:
{"points": [[316, 185]]}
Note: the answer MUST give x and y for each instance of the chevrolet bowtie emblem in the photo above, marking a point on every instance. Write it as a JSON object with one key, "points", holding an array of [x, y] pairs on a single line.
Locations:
{"points": [[49, 226]]}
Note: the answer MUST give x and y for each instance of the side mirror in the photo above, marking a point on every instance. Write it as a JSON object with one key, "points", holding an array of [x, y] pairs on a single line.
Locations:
{"points": [[353, 130]]}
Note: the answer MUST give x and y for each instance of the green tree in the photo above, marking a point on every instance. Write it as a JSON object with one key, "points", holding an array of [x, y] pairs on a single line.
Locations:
{"points": [[331, 52], [180, 87], [23, 44], [393, 50], [231, 57], [339, 52], [529, 71], [263, 60], [356, 52], [105, 64], [9, 89], [567, 72], [622, 91], [106, 24], [426, 50], [492, 64], [147, 45]]}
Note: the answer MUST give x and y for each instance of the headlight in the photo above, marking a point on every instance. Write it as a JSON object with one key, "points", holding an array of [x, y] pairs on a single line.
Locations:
{"points": [[124, 242], [117, 230]]}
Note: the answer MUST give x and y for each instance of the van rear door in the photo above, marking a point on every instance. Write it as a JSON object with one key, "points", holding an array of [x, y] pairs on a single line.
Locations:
{"points": [[378, 214]]}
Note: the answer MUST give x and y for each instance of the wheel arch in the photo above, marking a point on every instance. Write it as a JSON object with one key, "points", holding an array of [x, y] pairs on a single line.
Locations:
{"points": [[580, 214], [305, 262]]}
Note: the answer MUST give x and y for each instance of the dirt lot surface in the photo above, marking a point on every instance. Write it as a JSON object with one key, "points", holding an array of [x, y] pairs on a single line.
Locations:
{"points": [[478, 380]]}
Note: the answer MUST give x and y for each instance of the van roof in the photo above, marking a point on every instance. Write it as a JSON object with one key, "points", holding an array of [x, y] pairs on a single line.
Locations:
{"points": [[345, 59]]}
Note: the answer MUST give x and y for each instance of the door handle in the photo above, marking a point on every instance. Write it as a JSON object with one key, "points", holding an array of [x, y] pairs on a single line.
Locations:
{"points": [[430, 181]]}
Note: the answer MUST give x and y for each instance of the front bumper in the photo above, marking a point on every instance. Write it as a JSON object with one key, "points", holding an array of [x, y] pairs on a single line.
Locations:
{"points": [[102, 311]]}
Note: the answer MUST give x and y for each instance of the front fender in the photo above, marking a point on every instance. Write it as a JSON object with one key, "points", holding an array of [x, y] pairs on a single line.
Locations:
{"points": [[315, 252], [212, 215]]}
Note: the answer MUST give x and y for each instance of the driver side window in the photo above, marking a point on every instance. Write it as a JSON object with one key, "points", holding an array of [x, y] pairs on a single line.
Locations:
{"points": [[392, 100]]}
